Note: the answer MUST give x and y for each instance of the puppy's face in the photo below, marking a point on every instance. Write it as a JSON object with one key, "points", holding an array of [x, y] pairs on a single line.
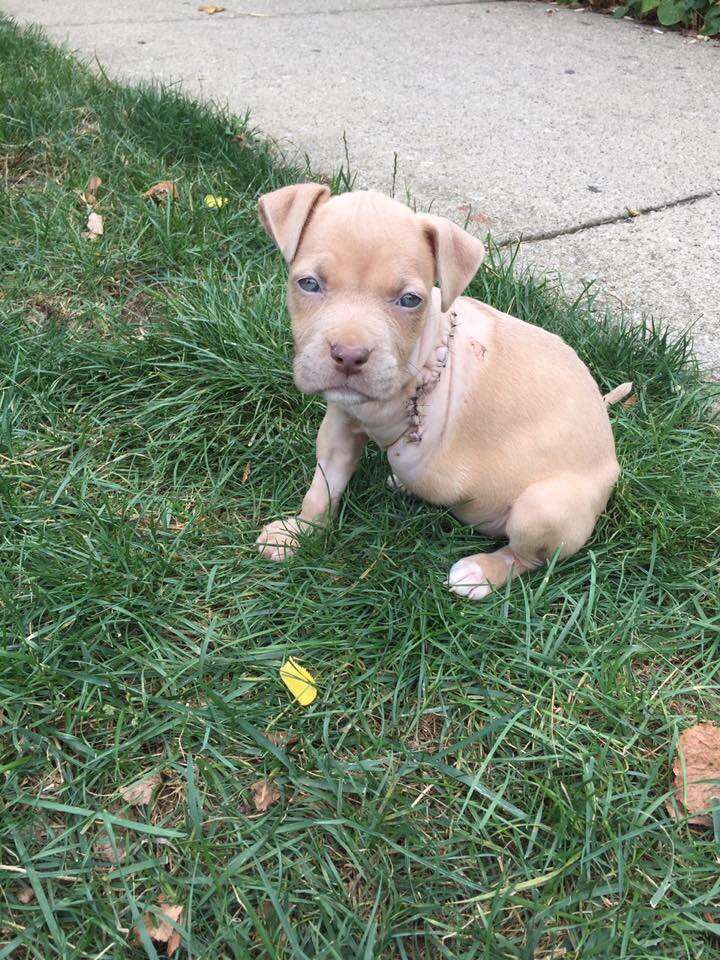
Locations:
{"points": [[358, 293], [361, 273]]}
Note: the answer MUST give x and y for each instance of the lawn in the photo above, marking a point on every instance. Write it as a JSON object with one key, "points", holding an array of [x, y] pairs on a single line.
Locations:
{"points": [[473, 780]]}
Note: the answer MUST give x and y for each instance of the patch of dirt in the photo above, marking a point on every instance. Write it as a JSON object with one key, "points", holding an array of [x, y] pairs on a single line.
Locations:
{"points": [[26, 171], [140, 311], [45, 309], [168, 809], [428, 733], [360, 891], [87, 124]]}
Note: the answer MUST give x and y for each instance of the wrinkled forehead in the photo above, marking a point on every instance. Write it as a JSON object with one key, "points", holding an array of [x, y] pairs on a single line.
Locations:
{"points": [[365, 239]]}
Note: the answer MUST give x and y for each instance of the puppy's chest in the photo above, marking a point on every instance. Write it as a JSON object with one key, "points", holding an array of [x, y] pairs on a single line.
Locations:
{"points": [[432, 454], [423, 474], [437, 460]]}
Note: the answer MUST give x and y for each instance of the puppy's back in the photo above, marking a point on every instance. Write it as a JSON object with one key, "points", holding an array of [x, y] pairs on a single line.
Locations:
{"points": [[530, 391]]}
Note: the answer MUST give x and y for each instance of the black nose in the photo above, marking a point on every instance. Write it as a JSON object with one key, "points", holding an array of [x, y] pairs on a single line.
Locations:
{"points": [[349, 359]]}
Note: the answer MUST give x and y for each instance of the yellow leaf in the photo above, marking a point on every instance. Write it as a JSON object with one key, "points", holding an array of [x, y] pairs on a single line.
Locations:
{"points": [[299, 682], [215, 202], [209, 8]]}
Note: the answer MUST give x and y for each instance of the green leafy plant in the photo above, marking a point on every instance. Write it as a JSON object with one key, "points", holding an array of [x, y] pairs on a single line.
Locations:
{"points": [[701, 14]]}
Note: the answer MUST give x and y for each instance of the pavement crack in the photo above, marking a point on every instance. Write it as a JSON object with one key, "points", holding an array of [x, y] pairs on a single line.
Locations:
{"points": [[603, 221]]}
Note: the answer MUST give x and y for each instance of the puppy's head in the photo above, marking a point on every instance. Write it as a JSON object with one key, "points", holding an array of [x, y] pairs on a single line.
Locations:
{"points": [[361, 272]]}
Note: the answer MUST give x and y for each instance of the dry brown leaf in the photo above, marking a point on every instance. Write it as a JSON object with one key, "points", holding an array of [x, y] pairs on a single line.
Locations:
{"points": [[140, 792], [209, 8], [696, 765], [246, 472], [632, 212], [103, 850], [162, 190], [90, 195], [94, 226], [173, 943], [282, 738], [631, 401], [88, 127], [238, 138], [160, 929], [26, 895], [265, 794]]}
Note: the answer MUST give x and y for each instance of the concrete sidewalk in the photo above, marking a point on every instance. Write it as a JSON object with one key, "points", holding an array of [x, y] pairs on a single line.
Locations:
{"points": [[546, 123]]}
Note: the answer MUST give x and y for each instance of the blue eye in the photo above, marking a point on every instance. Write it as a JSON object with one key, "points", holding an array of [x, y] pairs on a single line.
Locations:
{"points": [[410, 301], [309, 284]]}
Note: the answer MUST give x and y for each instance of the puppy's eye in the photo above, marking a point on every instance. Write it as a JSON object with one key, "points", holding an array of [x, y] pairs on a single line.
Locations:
{"points": [[309, 284], [410, 301]]}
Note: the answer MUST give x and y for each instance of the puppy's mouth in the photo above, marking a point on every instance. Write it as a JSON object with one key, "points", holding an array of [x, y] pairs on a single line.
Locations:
{"points": [[314, 373], [347, 395]]}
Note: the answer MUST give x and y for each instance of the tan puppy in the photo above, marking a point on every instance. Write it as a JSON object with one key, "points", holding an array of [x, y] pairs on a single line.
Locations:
{"points": [[494, 418]]}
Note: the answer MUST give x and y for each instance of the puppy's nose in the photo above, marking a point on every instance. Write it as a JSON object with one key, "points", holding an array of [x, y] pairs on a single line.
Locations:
{"points": [[349, 359]]}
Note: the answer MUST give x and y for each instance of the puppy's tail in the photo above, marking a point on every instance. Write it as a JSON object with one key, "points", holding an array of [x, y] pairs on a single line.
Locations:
{"points": [[618, 393]]}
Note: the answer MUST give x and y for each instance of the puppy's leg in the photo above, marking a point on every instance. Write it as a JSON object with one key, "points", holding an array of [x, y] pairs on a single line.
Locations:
{"points": [[339, 445], [559, 512]]}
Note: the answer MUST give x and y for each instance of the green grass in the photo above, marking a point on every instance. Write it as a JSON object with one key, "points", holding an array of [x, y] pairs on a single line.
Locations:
{"points": [[473, 781]]}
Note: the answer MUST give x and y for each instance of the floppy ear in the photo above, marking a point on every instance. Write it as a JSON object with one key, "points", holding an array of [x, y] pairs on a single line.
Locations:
{"points": [[284, 212], [457, 256]]}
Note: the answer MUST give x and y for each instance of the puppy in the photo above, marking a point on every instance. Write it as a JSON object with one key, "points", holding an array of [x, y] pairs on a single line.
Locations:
{"points": [[478, 411]]}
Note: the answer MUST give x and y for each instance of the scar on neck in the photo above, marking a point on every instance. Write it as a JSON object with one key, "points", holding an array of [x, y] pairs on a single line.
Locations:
{"points": [[427, 380]]}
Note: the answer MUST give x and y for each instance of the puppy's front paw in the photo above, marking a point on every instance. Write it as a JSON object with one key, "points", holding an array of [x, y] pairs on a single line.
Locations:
{"points": [[467, 579], [279, 540]]}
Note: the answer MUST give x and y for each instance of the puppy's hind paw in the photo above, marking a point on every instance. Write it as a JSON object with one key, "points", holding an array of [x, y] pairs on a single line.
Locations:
{"points": [[280, 539], [467, 579]]}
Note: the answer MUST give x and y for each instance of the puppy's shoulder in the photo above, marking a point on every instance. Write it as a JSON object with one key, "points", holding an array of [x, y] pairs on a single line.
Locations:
{"points": [[513, 335]]}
